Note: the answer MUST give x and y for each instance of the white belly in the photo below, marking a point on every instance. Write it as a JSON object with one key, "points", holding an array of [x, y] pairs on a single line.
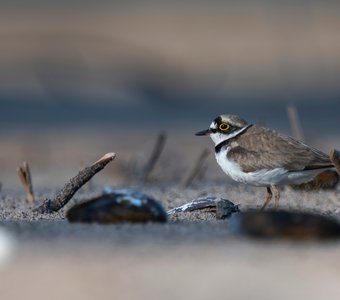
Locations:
{"points": [[264, 177]]}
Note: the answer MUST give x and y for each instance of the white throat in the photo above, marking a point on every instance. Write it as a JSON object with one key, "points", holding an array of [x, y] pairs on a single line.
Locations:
{"points": [[220, 137]]}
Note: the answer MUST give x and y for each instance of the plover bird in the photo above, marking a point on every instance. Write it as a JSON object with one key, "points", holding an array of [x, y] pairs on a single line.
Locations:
{"points": [[260, 156]]}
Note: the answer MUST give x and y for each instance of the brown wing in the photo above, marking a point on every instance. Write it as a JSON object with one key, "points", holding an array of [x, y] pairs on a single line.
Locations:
{"points": [[262, 148]]}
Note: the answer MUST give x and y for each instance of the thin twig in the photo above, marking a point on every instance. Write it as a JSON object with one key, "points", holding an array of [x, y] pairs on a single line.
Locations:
{"points": [[74, 185], [197, 168], [295, 123], [25, 178], [335, 158], [156, 153]]}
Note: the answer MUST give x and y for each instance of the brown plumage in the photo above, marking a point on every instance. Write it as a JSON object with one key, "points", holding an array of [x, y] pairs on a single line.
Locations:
{"points": [[261, 148]]}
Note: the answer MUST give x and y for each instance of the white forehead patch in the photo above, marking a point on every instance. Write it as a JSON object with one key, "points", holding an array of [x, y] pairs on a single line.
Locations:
{"points": [[213, 125], [226, 118]]}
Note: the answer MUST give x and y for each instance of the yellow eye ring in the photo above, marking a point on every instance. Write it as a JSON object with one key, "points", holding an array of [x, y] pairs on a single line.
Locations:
{"points": [[224, 127]]}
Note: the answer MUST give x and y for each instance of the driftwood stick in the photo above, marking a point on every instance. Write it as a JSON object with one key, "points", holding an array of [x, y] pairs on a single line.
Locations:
{"points": [[223, 207], [156, 153], [335, 158], [295, 123], [197, 204], [89, 185], [197, 168], [25, 178], [75, 183]]}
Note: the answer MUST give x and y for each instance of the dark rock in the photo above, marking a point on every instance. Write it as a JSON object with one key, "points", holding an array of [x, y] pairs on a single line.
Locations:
{"points": [[116, 207], [325, 181], [285, 225]]}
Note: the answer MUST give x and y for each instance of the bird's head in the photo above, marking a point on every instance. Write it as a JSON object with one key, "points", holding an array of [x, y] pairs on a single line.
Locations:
{"points": [[224, 127]]}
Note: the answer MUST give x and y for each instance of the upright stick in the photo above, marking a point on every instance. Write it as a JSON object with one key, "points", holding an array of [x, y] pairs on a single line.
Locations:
{"points": [[25, 178], [197, 168], [156, 153], [75, 183]]}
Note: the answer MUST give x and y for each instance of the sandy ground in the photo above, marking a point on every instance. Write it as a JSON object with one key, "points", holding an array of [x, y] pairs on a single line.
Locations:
{"points": [[193, 256]]}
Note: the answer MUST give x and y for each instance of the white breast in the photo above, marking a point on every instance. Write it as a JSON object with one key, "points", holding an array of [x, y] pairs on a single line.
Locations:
{"points": [[228, 166], [264, 177]]}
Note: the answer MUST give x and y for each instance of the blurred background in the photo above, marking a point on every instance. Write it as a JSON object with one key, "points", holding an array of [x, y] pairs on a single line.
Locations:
{"points": [[81, 78], [72, 62], [173, 65]]}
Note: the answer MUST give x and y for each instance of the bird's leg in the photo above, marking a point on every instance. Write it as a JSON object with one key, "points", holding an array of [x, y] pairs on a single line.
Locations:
{"points": [[268, 198], [276, 193]]}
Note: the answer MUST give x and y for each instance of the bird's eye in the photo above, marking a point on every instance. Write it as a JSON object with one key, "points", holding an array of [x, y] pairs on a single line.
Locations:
{"points": [[224, 126]]}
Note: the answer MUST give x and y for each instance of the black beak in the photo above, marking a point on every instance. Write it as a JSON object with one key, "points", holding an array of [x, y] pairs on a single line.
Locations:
{"points": [[204, 132]]}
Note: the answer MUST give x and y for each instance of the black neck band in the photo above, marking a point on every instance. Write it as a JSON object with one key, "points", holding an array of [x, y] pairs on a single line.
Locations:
{"points": [[219, 146]]}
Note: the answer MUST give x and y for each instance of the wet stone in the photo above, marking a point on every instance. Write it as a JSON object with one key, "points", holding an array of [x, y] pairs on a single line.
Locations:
{"points": [[284, 225], [118, 206]]}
